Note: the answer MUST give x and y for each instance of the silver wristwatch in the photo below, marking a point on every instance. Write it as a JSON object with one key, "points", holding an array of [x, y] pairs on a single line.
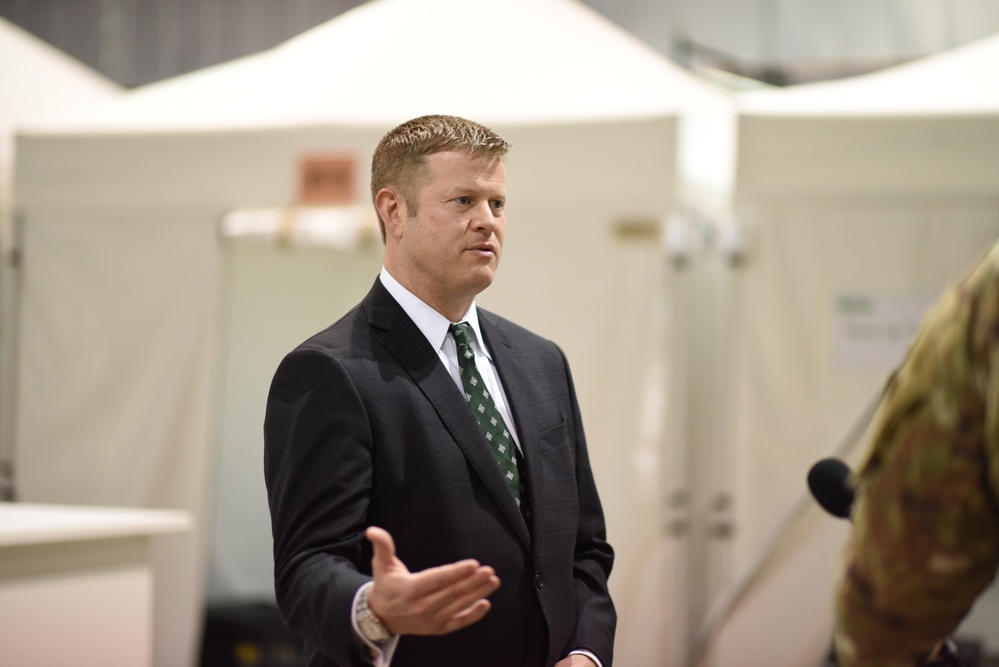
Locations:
{"points": [[370, 625]]}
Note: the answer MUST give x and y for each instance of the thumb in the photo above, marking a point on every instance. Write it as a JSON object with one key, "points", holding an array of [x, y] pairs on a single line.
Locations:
{"points": [[384, 549]]}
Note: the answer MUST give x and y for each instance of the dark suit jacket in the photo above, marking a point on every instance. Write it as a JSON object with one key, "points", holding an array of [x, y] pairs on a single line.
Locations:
{"points": [[365, 426]]}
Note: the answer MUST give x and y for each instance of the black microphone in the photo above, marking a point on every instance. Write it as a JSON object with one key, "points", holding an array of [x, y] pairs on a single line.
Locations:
{"points": [[833, 486]]}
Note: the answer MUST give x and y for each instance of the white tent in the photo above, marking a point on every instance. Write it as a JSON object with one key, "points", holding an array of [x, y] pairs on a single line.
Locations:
{"points": [[862, 199], [955, 82], [36, 80], [553, 61], [148, 340]]}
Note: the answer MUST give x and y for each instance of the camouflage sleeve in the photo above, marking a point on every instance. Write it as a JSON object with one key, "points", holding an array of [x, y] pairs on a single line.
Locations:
{"points": [[925, 541]]}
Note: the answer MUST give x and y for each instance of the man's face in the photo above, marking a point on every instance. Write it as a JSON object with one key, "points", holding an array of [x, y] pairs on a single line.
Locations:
{"points": [[451, 247]]}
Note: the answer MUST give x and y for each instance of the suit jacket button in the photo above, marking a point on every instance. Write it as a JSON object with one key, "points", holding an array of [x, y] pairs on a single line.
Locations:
{"points": [[539, 580]]}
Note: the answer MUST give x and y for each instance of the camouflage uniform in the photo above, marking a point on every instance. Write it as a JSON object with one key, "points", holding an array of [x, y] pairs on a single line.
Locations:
{"points": [[926, 525]]}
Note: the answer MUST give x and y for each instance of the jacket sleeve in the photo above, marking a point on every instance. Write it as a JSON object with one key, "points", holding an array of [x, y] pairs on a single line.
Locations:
{"points": [[596, 617], [317, 467]]}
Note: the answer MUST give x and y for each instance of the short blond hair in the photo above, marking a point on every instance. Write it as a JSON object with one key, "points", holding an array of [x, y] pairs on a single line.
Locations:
{"points": [[400, 158]]}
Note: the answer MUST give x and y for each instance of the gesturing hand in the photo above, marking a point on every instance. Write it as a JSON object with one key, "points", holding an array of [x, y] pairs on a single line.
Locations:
{"points": [[436, 601]]}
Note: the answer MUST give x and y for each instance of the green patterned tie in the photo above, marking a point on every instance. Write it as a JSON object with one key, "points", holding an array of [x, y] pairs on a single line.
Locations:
{"points": [[485, 412]]}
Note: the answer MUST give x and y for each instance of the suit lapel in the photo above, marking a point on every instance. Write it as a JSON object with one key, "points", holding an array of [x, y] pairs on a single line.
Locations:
{"points": [[404, 340], [521, 394]]}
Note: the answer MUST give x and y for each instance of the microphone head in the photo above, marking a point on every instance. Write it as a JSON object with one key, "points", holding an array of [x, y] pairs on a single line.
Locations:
{"points": [[833, 487]]}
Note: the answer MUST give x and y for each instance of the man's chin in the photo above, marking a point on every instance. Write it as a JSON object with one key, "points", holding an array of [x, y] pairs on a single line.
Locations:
{"points": [[481, 280]]}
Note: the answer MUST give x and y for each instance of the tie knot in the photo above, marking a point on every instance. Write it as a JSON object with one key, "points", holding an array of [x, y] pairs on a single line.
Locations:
{"points": [[460, 333]]}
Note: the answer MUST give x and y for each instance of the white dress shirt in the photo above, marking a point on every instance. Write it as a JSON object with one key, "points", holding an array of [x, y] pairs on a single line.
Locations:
{"points": [[436, 328]]}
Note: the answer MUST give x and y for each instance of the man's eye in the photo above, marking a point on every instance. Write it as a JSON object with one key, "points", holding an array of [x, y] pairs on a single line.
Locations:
{"points": [[498, 204], [464, 201]]}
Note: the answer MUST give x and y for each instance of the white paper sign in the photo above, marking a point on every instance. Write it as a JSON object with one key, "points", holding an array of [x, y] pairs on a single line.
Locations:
{"points": [[874, 332]]}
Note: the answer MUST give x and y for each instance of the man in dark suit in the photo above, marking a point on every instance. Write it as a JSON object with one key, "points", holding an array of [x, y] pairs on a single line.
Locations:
{"points": [[430, 490]]}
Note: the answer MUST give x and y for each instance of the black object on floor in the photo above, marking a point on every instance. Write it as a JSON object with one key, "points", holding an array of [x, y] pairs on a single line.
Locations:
{"points": [[248, 634]]}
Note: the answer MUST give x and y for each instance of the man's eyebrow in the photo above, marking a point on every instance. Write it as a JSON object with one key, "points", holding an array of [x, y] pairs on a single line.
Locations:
{"points": [[466, 188]]}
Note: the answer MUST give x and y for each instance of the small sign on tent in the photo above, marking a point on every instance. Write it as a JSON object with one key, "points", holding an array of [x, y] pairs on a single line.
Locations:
{"points": [[326, 179], [873, 332]]}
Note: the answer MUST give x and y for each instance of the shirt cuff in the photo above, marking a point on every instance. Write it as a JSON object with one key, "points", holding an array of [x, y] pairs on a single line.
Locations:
{"points": [[380, 655], [583, 651]]}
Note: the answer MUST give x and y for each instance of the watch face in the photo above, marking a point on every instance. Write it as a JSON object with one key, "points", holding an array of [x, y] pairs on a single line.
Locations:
{"points": [[372, 627]]}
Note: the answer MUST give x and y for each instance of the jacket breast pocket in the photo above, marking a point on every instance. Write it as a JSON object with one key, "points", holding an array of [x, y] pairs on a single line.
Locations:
{"points": [[553, 437]]}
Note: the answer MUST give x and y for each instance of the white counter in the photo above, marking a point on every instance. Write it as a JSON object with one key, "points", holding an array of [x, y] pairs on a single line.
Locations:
{"points": [[76, 584]]}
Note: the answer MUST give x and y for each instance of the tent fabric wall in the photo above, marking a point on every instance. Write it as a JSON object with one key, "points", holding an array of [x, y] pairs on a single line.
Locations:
{"points": [[785, 155], [272, 296], [45, 82], [135, 244], [115, 363], [42, 81]]}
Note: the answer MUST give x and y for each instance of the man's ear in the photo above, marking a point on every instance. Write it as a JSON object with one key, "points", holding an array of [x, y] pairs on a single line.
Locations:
{"points": [[391, 206]]}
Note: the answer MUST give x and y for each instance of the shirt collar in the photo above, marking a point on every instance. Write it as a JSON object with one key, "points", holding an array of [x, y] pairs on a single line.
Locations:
{"points": [[433, 325]]}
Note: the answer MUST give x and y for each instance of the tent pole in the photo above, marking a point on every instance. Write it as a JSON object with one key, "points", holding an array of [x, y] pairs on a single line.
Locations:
{"points": [[10, 307]]}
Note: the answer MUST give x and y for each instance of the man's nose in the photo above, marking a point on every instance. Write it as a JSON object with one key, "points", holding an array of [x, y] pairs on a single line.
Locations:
{"points": [[486, 218]]}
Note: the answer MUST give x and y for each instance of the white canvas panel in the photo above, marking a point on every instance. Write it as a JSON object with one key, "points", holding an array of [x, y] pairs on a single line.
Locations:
{"points": [[115, 379], [273, 297], [833, 155], [43, 81]]}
